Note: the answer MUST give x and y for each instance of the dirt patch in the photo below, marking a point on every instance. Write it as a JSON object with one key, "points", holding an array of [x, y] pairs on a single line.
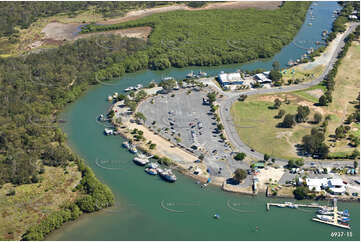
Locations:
{"points": [[60, 31], [133, 15], [317, 93], [312, 107], [272, 98], [265, 175], [138, 32]]}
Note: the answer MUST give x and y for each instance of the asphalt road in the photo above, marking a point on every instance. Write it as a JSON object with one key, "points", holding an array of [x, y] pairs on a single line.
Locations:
{"points": [[231, 97]]}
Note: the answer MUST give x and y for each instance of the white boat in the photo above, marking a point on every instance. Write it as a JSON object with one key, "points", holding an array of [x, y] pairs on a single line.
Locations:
{"points": [[140, 161], [108, 131], [330, 212], [202, 74], [190, 75], [168, 78], [133, 149], [126, 144], [128, 89], [168, 175], [153, 165], [151, 171], [139, 86], [330, 218]]}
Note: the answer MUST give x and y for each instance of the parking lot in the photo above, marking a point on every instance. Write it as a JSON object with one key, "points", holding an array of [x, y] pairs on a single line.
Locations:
{"points": [[181, 117]]}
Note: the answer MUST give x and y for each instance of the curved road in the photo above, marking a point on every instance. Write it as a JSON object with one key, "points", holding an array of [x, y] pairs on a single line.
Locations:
{"points": [[231, 97]]}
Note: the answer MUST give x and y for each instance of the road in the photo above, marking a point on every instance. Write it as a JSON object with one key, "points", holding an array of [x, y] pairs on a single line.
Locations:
{"points": [[231, 97]]}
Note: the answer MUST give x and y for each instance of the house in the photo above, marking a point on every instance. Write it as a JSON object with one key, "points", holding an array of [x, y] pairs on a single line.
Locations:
{"points": [[263, 77], [316, 184], [336, 186], [230, 79]]}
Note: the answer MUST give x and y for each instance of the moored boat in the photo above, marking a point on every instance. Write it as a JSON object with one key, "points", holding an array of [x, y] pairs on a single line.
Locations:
{"points": [[140, 161], [133, 149], [167, 175], [126, 144], [151, 171], [153, 165]]}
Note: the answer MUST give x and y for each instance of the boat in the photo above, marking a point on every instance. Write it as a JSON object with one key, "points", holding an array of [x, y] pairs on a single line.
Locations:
{"points": [[167, 175], [202, 74], [190, 75], [110, 98], [330, 212], [151, 171], [168, 78], [133, 149], [331, 219], [108, 131], [140, 161], [139, 86], [290, 205], [153, 165], [126, 144], [128, 89]]}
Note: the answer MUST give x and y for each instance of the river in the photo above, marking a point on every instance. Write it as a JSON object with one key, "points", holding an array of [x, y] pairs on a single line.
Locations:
{"points": [[148, 208]]}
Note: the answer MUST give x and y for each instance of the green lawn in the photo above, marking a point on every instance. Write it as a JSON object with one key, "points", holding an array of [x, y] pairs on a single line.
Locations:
{"points": [[256, 126]]}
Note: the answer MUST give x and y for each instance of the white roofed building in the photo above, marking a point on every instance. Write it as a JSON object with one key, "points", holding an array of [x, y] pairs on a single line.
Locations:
{"points": [[316, 184], [336, 186], [230, 79]]}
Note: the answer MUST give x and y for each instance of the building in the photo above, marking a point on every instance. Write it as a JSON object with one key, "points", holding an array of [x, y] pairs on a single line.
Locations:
{"points": [[336, 186], [263, 77], [316, 184], [230, 79]]}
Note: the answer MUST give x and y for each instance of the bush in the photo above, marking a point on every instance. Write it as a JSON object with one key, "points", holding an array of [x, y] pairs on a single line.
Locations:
{"points": [[301, 192], [240, 156]]}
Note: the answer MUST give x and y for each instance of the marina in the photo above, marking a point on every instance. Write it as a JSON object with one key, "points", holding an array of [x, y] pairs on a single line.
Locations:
{"points": [[334, 217], [134, 206]]}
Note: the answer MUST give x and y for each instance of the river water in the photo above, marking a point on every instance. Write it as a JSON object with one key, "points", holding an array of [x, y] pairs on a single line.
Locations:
{"points": [[149, 209]]}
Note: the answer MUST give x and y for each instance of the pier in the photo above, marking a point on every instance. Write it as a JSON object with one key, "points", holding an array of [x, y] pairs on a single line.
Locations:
{"points": [[292, 205]]}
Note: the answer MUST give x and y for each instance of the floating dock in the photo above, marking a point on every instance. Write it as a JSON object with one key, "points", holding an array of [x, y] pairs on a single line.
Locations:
{"points": [[292, 205], [332, 223]]}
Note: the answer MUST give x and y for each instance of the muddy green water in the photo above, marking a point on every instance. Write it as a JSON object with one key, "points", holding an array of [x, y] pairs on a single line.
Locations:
{"points": [[149, 209]]}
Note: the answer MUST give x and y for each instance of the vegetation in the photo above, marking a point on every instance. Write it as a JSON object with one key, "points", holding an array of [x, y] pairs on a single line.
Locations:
{"points": [[314, 144], [95, 197], [239, 175], [240, 156], [181, 38], [329, 81], [301, 192], [288, 121]]}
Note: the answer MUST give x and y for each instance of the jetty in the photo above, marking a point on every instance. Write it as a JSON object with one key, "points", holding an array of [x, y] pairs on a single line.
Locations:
{"points": [[293, 205]]}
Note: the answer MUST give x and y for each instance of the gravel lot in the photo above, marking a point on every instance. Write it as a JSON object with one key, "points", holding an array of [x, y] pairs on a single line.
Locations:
{"points": [[182, 115]]}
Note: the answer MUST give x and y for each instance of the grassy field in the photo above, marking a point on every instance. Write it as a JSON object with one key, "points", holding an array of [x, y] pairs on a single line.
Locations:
{"points": [[347, 88], [32, 202], [256, 124], [257, 127]]}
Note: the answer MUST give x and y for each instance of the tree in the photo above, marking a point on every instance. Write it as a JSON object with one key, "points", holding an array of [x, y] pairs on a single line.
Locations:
{"points": [[277, 103], [280, 114], [240, 156], [355, 164], [317, 117], [355, 154], [288, 121], [266, 157], [301, 192], [322, 101], [140, 116], [340, 132], [302, 113], [239, 175], [212, 97], [276, 66]]}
